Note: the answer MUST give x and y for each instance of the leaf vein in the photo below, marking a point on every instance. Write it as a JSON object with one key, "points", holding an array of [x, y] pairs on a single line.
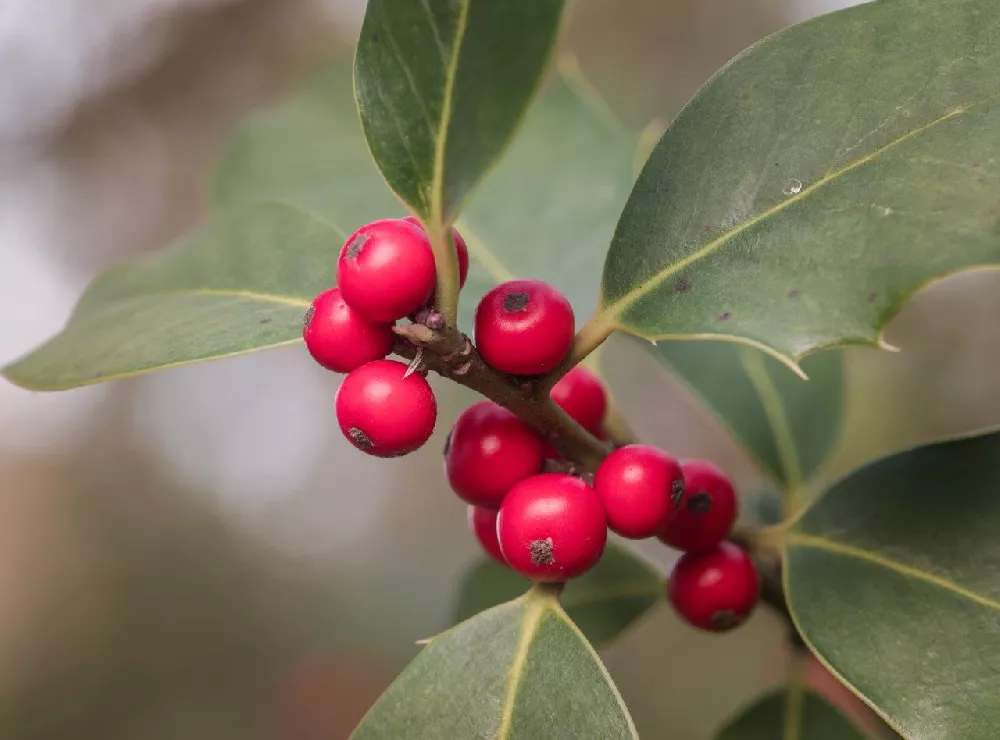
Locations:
{"points": [[798, 539]]}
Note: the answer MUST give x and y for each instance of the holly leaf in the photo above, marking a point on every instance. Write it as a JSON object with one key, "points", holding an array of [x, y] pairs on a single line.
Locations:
{"points": [[605, 602], [504, 674], [891, 578], [788, 425], [817, 181], [441, 86], [223, 291], [809, 715]]}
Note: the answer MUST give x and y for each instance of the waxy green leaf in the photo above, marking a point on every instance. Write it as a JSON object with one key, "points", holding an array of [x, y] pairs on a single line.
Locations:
{"points": [[817, 181], [892, 579], [788, 425], [223, 291], [604, 602], [519, 670], [442, 85], [806, 716]]}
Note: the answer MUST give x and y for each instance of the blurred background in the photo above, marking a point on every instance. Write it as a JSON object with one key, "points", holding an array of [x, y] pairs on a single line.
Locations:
{"points": [[199, 554]]}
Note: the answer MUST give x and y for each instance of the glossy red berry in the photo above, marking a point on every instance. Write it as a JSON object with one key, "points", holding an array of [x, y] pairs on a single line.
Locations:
{"points": [[461, 249], [339, 338], [552, 527], [716, 590], [703, 515], [636, 483], [383, 413], [386, 270], [488, 451], [581, 394], [524, 327], [483, 522]]}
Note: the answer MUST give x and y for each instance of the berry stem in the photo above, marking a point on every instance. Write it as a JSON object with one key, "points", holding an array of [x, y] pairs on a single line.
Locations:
{"points": [[616, 426], [452, 355], [446, 262], [590, 336]]}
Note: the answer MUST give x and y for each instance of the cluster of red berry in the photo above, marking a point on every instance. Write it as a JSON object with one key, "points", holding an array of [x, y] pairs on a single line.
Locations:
{"points": [[547, 526]]}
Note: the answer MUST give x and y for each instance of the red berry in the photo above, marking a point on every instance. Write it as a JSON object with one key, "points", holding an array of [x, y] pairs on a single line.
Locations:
{"points": [[552, 527], [461, 248], [635, 484], [715, 590], [581, 395], [483, 522], [383, 413], [524, 327], [386, 270], [338, 337], [703, 515], [488, 452]]}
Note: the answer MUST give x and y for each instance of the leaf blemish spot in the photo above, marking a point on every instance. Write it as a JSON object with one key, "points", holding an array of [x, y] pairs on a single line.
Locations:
{"points": [[264, 321], [794, 293], [515, 302], [541, 552], [359, 437], [794, 187], [724, 316], [682, 286], [872, 297]]}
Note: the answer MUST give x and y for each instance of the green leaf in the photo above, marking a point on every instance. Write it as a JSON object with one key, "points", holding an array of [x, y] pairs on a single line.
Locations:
{"points": [[892, 579], [240, 283], [441, 86], [812, 717], [787, 424], [504, 674], [566, 177], [817, 181], [605, 602]]}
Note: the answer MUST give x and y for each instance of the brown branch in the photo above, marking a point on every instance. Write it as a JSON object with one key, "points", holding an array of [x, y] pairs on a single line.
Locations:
{"points": [[452, 355]]}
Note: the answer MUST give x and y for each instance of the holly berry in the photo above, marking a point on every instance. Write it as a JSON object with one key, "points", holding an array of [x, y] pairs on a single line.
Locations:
{"points": [[581, 395], [483, 522], [716, 590], [386, 270], [703, 514], [339, 338], [384, 413], [552, 527], [489, 450], [524, 327], [636, 483], [461, 249]]}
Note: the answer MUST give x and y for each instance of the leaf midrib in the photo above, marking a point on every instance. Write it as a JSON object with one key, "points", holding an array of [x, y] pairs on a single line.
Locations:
{"points": [[613, 311], [817, 542], [276, 298], [535, 608]]}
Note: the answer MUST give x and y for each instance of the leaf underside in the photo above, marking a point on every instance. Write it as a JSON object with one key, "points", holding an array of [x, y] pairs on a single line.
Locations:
{"points": [[519, 670], [817, 181], [892, 579], [604, 602]]}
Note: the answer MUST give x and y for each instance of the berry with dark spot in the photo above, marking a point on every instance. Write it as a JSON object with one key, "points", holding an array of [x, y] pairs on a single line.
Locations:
{"points": [[636, 484], [552, 527], [581, 395], [386, 270], [483, 523], [384, 413], [715, 590], [461, 250], [339, 338], [490, 450], [524, 327], [703, 514]]}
